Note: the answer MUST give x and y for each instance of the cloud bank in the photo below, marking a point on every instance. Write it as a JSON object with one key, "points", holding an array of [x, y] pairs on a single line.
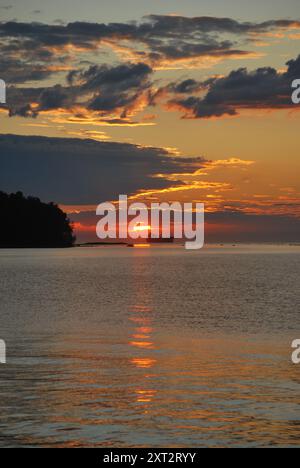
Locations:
{"points": [[72, 171]]}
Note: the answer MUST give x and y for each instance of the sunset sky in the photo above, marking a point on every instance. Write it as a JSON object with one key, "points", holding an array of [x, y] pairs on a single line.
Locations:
{"points": [[187, 101]]}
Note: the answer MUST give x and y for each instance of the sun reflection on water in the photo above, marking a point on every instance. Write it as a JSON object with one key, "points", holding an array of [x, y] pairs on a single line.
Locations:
{"points": [[142, 337]]}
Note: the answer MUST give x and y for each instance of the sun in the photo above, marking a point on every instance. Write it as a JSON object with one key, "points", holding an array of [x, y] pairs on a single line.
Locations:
{"points": [[141, 228]]}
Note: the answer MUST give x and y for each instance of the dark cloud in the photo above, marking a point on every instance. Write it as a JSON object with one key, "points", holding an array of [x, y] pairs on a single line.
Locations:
{"points": [[264, 88], [205, 24], [114, 87], [29, 102], [116, 93], [22, 61], [184, 87], [155, 40], [34, 52], [171, 50], [73, 171], [53, 98], [104, 89], [16, 72], [153, 27], [121, 77]]}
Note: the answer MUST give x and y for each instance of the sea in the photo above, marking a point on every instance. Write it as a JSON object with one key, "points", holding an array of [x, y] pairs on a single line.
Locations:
{"points": [[150, 347]]}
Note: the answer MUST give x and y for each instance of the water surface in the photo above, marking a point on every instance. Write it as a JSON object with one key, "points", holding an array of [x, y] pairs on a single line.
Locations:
{"points": [[158, 347]]}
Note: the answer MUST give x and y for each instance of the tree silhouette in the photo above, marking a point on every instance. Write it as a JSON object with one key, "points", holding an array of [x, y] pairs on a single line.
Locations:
{"points": [[27, 222]]}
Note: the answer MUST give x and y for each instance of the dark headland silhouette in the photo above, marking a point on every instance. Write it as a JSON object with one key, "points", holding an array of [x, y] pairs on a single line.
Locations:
{"points": [[26, 222]]}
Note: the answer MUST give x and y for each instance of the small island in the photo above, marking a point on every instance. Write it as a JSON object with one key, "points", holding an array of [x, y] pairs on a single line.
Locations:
{"points": [[26, 222]]}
